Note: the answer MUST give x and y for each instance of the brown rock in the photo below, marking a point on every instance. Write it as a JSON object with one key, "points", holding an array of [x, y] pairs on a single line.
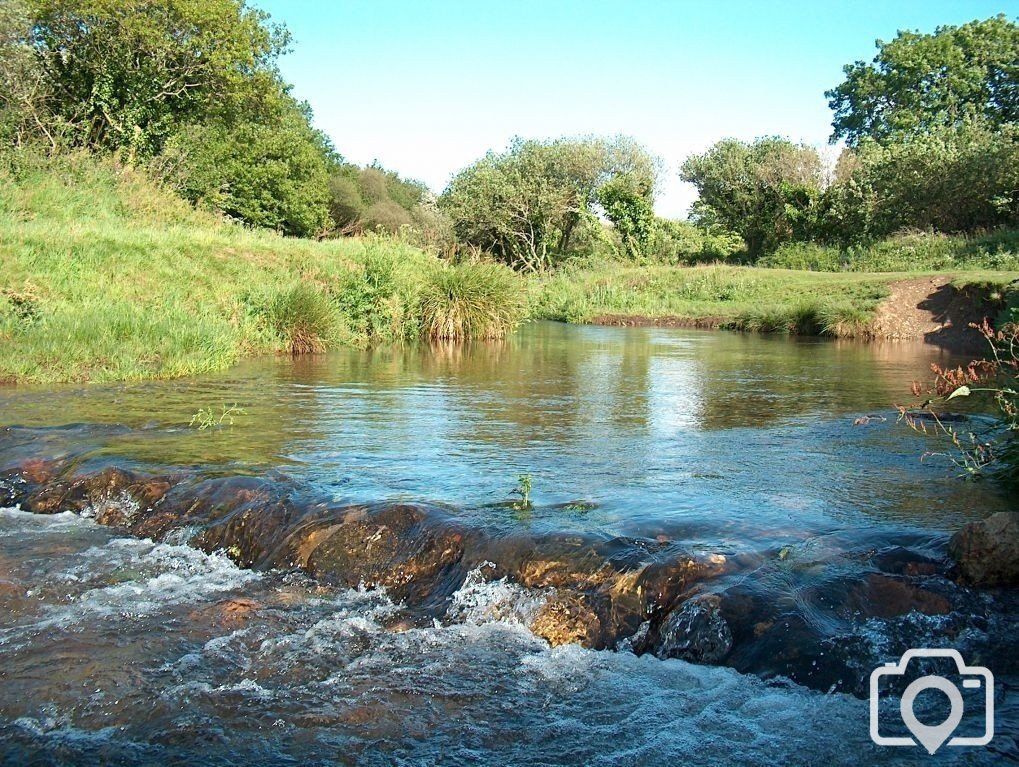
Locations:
{"points": [[882, 596], [987, 552], [567, 618]]}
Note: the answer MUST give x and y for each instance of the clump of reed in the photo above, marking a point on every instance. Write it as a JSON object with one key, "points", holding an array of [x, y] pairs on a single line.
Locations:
{"points": [[471, 301], [301, 315]]}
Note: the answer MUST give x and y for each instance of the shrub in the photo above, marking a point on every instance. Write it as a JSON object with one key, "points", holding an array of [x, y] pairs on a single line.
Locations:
{"points": [[301, 315], [386, 216], [471, 301], [376, 306]]}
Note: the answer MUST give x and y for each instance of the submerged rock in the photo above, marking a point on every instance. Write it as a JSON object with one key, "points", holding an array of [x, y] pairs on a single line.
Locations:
{"points": [[696, 632], [987, 552], [567, 618]]}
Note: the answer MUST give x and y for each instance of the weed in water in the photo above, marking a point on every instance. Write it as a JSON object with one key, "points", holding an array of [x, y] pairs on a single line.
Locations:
{"points": [[523, 489], [206, 418]]}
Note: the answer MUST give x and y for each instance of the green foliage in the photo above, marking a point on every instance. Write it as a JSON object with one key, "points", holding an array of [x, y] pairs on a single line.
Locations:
{"points": [[272, 175], [682, 242], [301, 315], [471, 301], [962, 178], [523, 489], [24, 115], [127, 74], [628, 205], [379, 303], [804, 255], [346, 205], [107, 277], [922, 83], [765, 191], [386, 216], [525, 206], [732, 296], [910, 251]]}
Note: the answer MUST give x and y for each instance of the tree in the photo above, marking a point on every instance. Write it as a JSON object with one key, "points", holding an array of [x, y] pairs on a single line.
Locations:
{"points": [[919, 82], [273, 174], [128, 74], [526, 205], [23, 90], [765, 191], [961, 178]]}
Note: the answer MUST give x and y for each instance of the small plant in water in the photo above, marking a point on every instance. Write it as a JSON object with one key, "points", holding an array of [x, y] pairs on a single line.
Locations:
{"points": [[206, 418], [523, 489]]}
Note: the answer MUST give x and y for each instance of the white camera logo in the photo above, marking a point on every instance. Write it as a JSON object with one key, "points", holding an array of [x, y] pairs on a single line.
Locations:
{"points": [[933, 737]]}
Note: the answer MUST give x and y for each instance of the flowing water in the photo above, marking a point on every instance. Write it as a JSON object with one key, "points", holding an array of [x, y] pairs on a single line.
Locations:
{"points": [[117, 650]]}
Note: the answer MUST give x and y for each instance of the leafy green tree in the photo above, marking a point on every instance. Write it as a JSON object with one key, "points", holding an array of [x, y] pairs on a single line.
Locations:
{"points": [[920, 82], [273, 174], [961, 178], [525, 206], [628, 205], [765, 191], [128, 74]]}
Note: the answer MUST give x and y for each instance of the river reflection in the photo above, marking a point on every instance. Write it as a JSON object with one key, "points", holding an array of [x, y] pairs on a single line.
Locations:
{"points": [[711, 437]]}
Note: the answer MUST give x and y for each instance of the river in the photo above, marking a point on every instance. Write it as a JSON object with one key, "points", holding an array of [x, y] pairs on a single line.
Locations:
{"points": [[780, 458]]}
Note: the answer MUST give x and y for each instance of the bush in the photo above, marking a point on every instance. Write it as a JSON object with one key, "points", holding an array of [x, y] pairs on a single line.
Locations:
{"points": [[471, 301], [301, 315], [386, 216], [378, 305], [681, 242]]}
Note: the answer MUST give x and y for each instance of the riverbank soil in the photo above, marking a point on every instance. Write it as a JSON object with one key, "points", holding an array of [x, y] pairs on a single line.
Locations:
{"points": [[934, 310]]}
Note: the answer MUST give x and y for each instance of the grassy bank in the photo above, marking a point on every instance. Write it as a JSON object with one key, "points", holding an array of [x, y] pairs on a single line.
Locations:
{"points": [[839, 304], [107, 277]]}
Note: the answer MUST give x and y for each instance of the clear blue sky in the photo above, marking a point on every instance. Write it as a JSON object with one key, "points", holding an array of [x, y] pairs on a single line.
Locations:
{"points": [[427, 86]]}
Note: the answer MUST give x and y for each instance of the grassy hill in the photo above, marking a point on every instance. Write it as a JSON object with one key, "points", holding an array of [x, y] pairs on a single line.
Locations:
{"points": [[107, 277]]}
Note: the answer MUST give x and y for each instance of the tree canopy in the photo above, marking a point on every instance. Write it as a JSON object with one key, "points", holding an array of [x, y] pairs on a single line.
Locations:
{"points": [[764, 190], [127, 74], [919, 82], [527, 204]]}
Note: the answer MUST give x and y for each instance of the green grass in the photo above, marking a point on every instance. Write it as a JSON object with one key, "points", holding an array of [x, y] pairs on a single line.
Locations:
{"points": [[906, 252], [107, 277], [840, 304], [764, 300]]}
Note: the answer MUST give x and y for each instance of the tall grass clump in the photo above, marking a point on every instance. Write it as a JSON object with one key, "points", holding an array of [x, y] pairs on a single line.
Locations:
{"points": [[471, 301], [301, 315]]}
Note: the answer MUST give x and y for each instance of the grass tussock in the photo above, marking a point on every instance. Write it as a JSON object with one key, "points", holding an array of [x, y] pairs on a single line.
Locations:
{"points": [[303, 316], [839, 320], [470, 301]]}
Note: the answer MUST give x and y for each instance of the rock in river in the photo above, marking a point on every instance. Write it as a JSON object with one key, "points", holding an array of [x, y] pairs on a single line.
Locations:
{"points": [[987, 552]]}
